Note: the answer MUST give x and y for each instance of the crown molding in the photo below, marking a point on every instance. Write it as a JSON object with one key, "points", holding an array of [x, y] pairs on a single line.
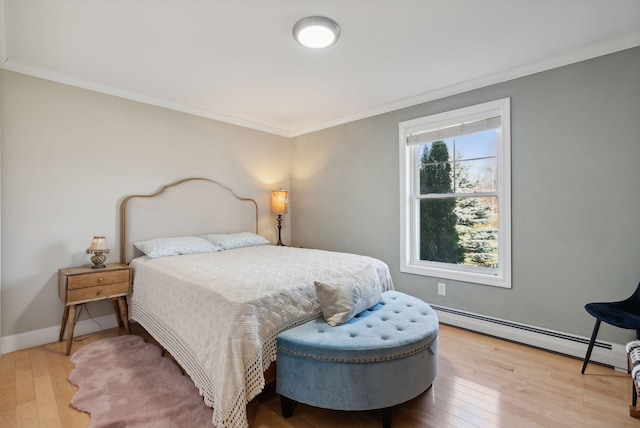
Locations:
{"points": [[567, 58], [18, 67]]}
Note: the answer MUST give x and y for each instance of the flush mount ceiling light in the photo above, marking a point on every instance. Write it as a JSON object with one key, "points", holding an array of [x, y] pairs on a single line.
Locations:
{"points": [[316, 32]]}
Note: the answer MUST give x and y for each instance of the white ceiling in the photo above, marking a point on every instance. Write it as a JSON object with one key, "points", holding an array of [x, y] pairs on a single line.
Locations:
{"points": [[236, 61]]}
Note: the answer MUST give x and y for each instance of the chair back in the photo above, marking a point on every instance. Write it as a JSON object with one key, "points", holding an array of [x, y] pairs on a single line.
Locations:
{"points": [[635, 297]]}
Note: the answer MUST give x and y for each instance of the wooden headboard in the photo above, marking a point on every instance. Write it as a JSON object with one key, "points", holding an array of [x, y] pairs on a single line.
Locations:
{"points": [[187, 207]]}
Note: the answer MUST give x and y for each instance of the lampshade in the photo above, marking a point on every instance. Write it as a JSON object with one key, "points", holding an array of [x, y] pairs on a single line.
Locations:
{"points": [[98, 243], [279, 201], [316, 32]]}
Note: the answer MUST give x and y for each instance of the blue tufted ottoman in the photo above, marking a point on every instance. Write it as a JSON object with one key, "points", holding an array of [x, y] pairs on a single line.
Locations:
{"points": [[382, 357]]}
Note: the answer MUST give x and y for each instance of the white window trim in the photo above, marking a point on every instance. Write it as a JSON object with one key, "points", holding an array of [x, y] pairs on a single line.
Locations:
{"points": [[409, 263]]}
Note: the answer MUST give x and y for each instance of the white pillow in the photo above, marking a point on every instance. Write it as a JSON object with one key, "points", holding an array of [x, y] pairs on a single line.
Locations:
{"points": [[229, 241], [342, 298], [163, 247]]}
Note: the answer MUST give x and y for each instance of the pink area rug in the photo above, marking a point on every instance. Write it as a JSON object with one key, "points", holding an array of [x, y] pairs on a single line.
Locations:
{"points": [[125, 382]]}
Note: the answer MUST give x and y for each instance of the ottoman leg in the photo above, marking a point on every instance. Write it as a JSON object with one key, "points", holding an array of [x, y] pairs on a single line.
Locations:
{"points": [[287, 405], [386, 417]]}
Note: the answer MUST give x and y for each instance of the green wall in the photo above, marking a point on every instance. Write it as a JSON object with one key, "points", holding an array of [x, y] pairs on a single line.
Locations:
{"points": [[575, 194]]}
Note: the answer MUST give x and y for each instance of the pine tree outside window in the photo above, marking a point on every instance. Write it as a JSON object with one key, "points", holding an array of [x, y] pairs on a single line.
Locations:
{"points": [[455, 195]]}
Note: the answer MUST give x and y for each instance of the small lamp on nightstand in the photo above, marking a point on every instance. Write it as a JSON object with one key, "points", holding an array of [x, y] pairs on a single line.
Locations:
{"points": [[99, 250], [279, 205]]}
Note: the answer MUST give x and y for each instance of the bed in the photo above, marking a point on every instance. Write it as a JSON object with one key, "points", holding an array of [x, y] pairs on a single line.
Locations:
{"points": [[218, 313]]}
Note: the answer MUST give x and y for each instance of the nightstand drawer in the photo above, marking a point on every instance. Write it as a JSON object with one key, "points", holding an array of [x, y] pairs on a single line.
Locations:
{"points": [[98, 292], [97, 279]]}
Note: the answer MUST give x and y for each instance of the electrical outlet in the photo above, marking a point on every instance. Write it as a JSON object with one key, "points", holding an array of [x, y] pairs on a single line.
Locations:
{"points": [[442, 289]]}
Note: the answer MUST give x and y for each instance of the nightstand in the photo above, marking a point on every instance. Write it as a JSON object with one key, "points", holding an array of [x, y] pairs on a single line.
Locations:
{"points": [[84, 284]]}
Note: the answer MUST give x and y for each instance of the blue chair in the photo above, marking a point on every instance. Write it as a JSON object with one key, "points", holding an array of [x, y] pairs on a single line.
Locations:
{"points": [[623, 314]]}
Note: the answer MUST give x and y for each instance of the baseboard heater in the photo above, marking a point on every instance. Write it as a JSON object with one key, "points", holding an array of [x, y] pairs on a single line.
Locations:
{"points": [[610, 354]]}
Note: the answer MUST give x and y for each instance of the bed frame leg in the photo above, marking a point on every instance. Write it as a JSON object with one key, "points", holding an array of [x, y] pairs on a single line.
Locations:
{"points": [[288, 405]]}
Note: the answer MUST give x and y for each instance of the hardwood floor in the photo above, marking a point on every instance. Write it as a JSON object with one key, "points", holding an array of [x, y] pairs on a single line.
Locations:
{"points": [[481, 382]]}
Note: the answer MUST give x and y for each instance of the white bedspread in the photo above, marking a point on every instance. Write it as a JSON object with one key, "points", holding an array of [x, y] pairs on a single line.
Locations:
{"points": [[219, 314]]}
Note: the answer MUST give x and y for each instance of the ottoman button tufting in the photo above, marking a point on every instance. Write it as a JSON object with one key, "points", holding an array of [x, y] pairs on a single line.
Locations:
{"points": [[390, 357]]}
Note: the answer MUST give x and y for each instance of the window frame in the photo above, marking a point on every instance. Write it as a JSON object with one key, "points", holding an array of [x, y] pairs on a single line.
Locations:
{"points": [[409, 199]]}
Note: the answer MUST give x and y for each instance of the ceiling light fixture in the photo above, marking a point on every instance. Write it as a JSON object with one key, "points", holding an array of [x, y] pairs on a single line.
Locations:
{"points": [[316, 32]]}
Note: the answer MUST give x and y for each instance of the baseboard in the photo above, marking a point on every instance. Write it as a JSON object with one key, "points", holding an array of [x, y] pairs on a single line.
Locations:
{"points": [[16, 342], [611, 354]]}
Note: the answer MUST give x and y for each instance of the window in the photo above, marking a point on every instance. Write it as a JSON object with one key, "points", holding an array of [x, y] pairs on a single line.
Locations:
{"points": [[455, 195]]}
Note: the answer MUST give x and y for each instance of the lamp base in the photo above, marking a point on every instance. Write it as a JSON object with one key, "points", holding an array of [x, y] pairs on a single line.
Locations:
{"points": [[98, 261], [280, 230]]}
